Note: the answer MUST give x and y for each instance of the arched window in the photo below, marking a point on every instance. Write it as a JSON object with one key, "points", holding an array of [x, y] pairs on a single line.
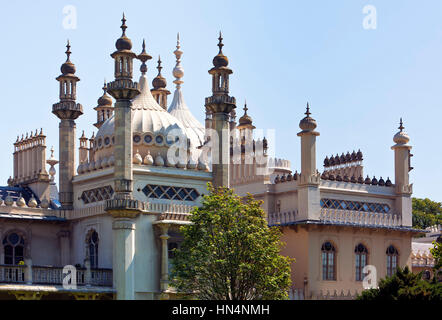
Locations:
{"points": [[392, 260], [92, 243], [328, 261], [361, 256], [14, 248]]}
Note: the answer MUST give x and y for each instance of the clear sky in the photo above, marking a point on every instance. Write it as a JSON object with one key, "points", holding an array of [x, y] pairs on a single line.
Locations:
{"points": [[359, 82]]}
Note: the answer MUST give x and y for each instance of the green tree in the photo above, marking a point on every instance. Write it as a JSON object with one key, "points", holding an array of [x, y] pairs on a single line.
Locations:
{"points": [[229, 252], [436, 252], [404, 286], [426, 213]]}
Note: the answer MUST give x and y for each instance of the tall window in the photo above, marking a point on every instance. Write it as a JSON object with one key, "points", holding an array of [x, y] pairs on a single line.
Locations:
{"points": [[361, 255], [93, 249], [14, 248], [392, 259], [328, 261]]}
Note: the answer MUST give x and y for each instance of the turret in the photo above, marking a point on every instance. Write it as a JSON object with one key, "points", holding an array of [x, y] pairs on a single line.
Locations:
{"points": [[402, 166], [308, 192], [219, 106], [104, 108], [67, 110], [159, 84]]}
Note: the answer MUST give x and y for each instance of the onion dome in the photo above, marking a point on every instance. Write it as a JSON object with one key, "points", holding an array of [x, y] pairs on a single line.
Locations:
{"points": [[367, 180], [283, 178], [324, 176], [337, 160], [137, 158], [360, 180], [32, 203], [307, 123], [44, 203], [353, 179], [21, 202], [346, 179], [348, 157], [296, 175], [381, 182], [338, 177], [401, 137], [220, 60], [374, 181], [105, 99], [353, 156], [159, 161], [359, 155], [245, 120], [326, 162], [9, 201], [148, 159], [194, 130], [68, 68], [388, 182], [123, 43], [159, 82], [331, 161], [331, 177]]}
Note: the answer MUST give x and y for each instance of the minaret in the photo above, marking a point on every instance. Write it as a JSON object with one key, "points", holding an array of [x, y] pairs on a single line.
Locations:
{"points": [[123, 207], [67, 110], [104, 107], [159, 84], [402, 166], [308, 192], [83, 150], [220, 105]]}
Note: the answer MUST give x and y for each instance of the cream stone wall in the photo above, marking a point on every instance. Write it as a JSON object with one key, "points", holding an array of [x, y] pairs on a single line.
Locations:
{"points": [[305, 247]]}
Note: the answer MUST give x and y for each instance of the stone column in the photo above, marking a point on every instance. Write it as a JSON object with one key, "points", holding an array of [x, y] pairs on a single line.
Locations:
{"points": [[67, 162], [221, 152], [65, 248], [123, 259], [28, 272], [164, 257]]}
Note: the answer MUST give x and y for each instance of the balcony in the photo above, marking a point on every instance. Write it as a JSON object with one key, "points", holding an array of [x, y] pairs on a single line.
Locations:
{"points": [[33, 275]]}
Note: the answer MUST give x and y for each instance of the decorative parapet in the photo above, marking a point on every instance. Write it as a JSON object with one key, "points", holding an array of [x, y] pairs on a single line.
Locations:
{"points": [[335, 295], [278, 218], [359, 218]]}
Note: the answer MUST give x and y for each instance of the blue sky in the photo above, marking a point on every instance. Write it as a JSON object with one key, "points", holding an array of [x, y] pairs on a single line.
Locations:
{"points": [[283, 53]]}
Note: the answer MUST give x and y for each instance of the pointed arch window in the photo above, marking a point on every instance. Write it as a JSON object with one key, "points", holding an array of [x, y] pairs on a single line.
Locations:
{"points": [[392, 260], [14, 249], [328, 261], [361, 256], [92, 243]]}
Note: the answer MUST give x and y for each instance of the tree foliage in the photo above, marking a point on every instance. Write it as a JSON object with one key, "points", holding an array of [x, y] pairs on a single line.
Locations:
{"points": [[436, 252], [229, 252], [404, 286], [426, 213]]}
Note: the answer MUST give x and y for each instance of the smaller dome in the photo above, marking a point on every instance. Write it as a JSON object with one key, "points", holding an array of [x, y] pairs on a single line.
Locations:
{"points": [[32, 203], [123, 43], [220, 60], [67, 68], [401, 138], [44, 203], [307, 123], [159, 82], [245, 119], [105, 99], [148, 159]]}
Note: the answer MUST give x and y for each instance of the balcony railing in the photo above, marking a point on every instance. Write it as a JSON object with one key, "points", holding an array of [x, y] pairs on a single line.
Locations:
{"points": [[53, 275], [345, 217]]}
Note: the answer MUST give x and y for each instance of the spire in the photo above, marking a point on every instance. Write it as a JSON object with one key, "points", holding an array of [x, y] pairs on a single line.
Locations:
{"points": [[159, 82], [143, 57], [68, 51], [159, 67], [245, 120], [307, 123], [123, 25], [401, 127], [220, 43], [178, 71], [307, 112]]}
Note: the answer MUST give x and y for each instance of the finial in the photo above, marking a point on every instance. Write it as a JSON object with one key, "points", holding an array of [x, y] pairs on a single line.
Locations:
{"points": [[245, 107], [307, 112], [159, 67], [143, 57], [220, 43], [178, 40], [401, 127], [104, 86], [68, 50], [52, 152], [123, 25]]}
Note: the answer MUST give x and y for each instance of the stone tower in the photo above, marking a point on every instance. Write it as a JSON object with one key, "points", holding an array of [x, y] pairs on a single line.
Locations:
{"points": [[159, 84], [219, 106], [308, 194], [67, 110], [123, 207], [104, 108], [402, 167]]}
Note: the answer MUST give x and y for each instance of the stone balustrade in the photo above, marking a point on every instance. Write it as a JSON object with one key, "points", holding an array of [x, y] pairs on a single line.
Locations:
{"points": [[29, 274], [346, 217]]}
